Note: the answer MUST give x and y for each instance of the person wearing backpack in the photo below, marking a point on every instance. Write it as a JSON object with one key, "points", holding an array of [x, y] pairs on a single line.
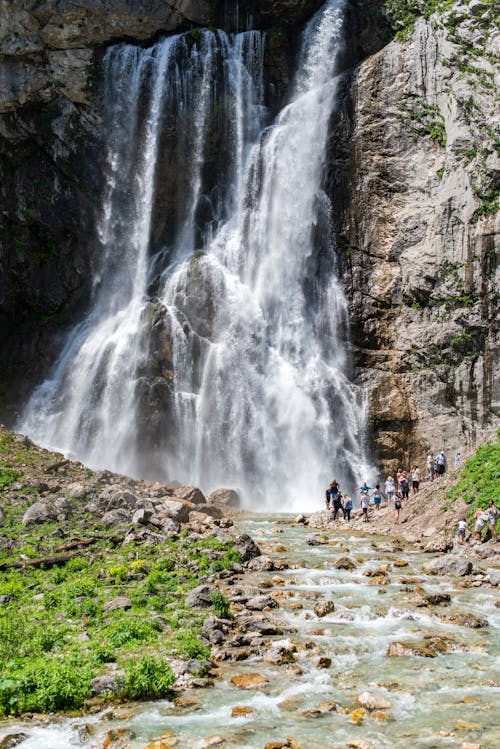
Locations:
{"points": [[347, 508], [404, 486], [493, 514], [338, 505]]}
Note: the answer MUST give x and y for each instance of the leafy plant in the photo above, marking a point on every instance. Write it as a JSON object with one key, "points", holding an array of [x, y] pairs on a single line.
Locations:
{"points": [[191, 647], [8, 476], [220, 604], [147, 678]]}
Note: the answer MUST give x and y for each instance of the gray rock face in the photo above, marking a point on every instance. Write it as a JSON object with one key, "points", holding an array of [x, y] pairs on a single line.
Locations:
{"points": [[200, 597], [261, 564], [176, 511], [120, 602], [115, 517], [77, 491], [247, 547], [258, 603], [494, 576], [191, 494], [226, 497]]}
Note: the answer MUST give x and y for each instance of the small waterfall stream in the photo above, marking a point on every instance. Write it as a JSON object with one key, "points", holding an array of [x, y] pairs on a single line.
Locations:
{"points": [[216, 349]]}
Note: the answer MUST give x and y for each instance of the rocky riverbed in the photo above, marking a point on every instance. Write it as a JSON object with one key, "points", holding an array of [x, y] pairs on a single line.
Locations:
{"points": [[332, 636]]}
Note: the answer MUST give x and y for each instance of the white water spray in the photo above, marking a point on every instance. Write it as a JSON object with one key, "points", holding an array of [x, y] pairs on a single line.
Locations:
{"points": [[241, 293]]}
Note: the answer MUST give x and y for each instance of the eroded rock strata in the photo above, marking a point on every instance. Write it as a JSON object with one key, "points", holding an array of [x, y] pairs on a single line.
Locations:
{"points": [[414, 177]]}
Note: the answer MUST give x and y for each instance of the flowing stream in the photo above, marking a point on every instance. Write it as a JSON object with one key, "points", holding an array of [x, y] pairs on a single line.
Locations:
{"points": [[436, 703], [216, 347]]}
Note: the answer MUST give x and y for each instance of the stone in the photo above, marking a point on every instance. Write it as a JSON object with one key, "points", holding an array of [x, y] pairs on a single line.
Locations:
{"points": [[238, 711], [120, 602], [12, 740], [225, 497], [258, 603], [77, 491], [115, 518], [345, 563], [408, 649], [108, 683], [359, 744], [174, 509], [249, 681], [301, 520], [468, 745], [141, 517], [438, 599], [316, 540], [118, 738], [37, 513], [261, 564], [247, 547], [449, 564], [119, 499], [468, 620], [200, 597], [400, 563], [322, 608], [371, 701], [494, 576], [191, 494], [324, 662]]}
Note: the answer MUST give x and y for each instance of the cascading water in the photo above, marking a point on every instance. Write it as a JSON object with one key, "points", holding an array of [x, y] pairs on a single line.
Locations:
{"points": [[216, 350]]}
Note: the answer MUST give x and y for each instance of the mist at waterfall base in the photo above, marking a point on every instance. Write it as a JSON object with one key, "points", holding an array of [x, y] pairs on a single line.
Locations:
{"points": [[216, 349]]}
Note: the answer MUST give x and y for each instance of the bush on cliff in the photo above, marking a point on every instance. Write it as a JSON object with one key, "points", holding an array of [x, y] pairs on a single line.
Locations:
{"points": [[480, 478]]}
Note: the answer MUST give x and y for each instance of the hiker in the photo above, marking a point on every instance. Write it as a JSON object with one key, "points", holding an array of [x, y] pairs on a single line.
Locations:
{"points": [[390, 488], [492, 513], [441, 463], [430, 467], [327, 498], [398, 504], [338, 504], [458, 458], [481, 520], [377, 497], [347, 508], [365, 487], [404, 486], [364, 504], [399, 473], [462, 528], [415, 478]]}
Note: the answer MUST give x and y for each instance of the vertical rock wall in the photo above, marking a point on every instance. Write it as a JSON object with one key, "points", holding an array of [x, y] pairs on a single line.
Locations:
{"points": [[416, 175]]}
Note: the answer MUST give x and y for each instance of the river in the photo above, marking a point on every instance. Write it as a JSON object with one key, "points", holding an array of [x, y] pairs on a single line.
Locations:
{"points": [[443, 701]]}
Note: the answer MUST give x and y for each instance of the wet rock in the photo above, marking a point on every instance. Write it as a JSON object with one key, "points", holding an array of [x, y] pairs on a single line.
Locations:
{"points": [[400, 563], [238, 711], [115, 518], [301, 520], [191, 494], [467, 745], [261, 564], [323, 608], [258, 603], [107, 683], [200, 597], [357, 716], [324, 662], [359, 744], [451, 564], [316, 540], [494, 577], [226, 497], [468, 620], [249, 681], [120, 602], [438, 599], [13, 739], [408, 649], [294, 670], [372, 701], [344, 563], [37, 513], [118, 738], [247, 547]]}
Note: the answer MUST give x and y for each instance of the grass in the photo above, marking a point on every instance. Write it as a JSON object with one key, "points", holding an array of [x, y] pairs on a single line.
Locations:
{"points": [[56, 631], [480, 478]]}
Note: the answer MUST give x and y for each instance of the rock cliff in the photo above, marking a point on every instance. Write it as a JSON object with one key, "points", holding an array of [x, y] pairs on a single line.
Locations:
{"points": [[416, 168], [414, 177]]}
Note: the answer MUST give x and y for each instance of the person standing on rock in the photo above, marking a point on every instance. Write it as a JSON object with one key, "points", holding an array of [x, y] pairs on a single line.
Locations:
{"points": [[462, 529], [377, 497], [430, 467], [327, 498], [404, 486], [364, 504], [347, 508], [415, 478], [338, 505], [398, 504], [481, 520], [441, 463], [492, 513], [390, 488]]}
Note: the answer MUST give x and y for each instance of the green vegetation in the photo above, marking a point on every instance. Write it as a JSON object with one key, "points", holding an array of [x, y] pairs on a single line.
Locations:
{"points": [[423, 119], [58, 629], [480, 478], [402, 14]]}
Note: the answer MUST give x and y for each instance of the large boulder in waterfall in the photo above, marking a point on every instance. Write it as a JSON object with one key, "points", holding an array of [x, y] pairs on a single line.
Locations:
{"points": [[191, 494], [451, 564], [226, 497], [37, 513], [247, 547]]}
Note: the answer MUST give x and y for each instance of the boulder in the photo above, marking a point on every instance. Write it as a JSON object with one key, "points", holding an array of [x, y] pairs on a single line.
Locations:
{"points": [[108, 683], [248, 681], [494, 576], [324, 662], [226, 497], [438, 599], [120, 602], [37, 513], [323, 608], [175, 510], [141, 517], [468, 620], [344, 563], [13, 739], [247, 547], [316, 540], [450, 564], [77, 491], [301, 519], [121, 499], [200, 597], [258, 603], [191, 494], [115, 518], [261, 564]]}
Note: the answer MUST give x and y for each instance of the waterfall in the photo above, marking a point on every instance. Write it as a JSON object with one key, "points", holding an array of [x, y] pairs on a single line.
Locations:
{"points": [[216, 350]]}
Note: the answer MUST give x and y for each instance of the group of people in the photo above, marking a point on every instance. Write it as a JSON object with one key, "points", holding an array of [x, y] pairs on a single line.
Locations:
{"points": [[487, 517], [337, 502]]}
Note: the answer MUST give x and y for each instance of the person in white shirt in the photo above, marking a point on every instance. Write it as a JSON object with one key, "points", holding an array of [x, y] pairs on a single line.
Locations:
{"points": [[430, 466], [390, 488], [415, 478], [462, 528]]}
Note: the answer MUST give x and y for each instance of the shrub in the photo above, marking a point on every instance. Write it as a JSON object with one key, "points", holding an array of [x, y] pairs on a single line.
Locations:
{"points": [[220, 604], [8, 476], [132, 631], [147, 678], [480, 478], [191, 647]]}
